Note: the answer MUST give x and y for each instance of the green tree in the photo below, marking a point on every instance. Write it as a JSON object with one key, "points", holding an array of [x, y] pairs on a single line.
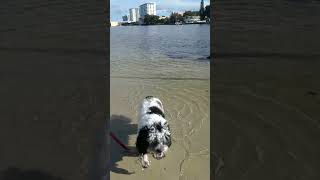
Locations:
{"points": [[207, 11], [175, 17], [201, 11], [150, 19], [191, 13]]}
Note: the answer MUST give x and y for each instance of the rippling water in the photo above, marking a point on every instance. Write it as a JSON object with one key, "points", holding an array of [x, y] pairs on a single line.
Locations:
{"points": [[168, 62], [160, 51]]}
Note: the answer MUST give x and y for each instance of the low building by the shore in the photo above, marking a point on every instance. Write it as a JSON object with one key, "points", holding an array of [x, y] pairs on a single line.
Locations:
{"points": [[114, 23], [162, 17], [191, 19], [177, 12]]}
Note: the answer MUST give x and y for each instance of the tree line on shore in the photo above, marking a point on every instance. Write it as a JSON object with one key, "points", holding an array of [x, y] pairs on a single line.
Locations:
{"points": [[176, 17]]}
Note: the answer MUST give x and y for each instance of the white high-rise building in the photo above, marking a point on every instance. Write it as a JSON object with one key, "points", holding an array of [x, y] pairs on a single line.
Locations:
{"points": [[134, 14], [147, 8]]}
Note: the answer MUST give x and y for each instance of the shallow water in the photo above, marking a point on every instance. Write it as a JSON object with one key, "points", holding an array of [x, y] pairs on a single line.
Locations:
{"points": [[168, 62]]}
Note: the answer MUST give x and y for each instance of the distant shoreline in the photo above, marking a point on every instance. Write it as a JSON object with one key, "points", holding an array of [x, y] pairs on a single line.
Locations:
{"points": [[158, 24]]}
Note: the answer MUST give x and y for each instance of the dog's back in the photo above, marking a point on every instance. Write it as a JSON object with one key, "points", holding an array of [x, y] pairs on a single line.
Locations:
{"points": [[150, 105], [149, 102]]}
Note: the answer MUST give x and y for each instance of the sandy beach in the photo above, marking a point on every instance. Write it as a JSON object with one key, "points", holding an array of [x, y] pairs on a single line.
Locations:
{"points": [[187, 111]]}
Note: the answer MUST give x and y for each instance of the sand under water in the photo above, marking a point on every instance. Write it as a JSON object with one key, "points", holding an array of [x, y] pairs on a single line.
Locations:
{"points": [[182, 84], [187, 111]]}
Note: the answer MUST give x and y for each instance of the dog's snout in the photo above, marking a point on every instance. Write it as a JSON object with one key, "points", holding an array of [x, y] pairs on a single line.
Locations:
{"points": [[158, 150]]}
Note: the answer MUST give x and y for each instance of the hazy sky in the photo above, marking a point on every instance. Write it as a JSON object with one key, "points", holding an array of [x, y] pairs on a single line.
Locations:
{"points": [[119, 8]]}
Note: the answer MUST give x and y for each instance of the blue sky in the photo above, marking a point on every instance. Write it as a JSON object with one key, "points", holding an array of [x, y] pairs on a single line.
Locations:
{"points": [[118, 8]]}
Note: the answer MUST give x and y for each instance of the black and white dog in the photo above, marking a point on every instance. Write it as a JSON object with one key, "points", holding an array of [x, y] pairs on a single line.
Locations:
{"points": [[153, 134]]}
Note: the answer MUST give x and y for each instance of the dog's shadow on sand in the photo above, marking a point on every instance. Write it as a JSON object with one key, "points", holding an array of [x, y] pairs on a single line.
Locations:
{"points": [[122, 127]]}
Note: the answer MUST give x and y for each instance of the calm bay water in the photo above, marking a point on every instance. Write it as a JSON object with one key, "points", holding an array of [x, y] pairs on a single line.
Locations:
{"points": [[160, 51]]}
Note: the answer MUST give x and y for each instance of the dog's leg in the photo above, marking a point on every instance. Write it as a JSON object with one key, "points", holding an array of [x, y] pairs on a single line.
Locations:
{"points": [[145, 161]]}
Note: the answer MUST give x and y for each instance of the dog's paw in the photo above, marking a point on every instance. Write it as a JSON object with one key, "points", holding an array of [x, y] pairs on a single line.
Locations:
{"points": [[145, 161], [145, 164]]}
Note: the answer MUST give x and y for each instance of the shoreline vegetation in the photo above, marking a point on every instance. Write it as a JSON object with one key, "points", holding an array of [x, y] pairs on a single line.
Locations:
{"points": [[188, 17], [135, 24]]}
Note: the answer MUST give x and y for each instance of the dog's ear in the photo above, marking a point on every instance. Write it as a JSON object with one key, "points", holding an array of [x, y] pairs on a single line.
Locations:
{"points": [[168, 140], [156, 110], [168, 135], [160, 104], [142, 143], [148, 97]]}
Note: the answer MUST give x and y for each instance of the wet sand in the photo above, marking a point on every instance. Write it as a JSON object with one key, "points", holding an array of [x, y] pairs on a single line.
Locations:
{"points": [[186, 104], [266, 118]]}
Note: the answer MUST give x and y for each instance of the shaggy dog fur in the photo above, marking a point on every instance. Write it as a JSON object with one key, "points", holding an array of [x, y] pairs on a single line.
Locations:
{"points": [[153, 134]]}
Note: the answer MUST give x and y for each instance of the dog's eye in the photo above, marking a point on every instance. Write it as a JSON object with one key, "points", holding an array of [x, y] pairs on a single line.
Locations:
{"points": [[154, 143], [159, 127]]}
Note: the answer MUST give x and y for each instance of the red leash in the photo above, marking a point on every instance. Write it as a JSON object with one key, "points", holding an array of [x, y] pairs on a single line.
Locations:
{"points": [[118, 141]]}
